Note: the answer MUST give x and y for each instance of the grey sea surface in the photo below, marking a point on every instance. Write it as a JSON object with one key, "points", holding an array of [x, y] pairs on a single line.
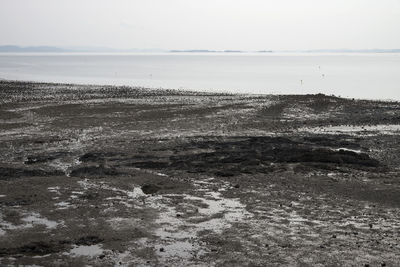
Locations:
{"points": [[368, 76]]}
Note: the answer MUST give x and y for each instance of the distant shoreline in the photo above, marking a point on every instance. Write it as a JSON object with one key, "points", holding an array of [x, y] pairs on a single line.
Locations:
{"points": [[55, 49]]}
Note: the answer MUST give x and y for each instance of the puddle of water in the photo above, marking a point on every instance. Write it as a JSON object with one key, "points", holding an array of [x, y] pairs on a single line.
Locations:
{"points": [[55, 189], [181, 249], [88, 251], [348, 149], [125, 199], [76, 195], [30, 220], [231, 209], [214, 213], [210, 211], [35, 218], [63, 205]]}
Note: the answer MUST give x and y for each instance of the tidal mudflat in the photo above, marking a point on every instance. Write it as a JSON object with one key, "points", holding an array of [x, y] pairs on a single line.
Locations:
{"points": [[105, 176]]}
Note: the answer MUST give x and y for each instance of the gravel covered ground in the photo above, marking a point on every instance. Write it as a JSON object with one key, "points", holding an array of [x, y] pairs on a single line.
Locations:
{"points": [[105, 176]]}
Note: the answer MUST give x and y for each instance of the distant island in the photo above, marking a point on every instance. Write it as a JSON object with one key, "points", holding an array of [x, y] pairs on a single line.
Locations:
{"points": [[54, 49], [207, 51], [194, 51], [16, 49], [265, 51], [353, 51]]}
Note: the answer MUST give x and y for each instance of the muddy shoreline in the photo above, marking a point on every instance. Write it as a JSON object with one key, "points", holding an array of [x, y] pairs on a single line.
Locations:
{"points": [[105, 176]]}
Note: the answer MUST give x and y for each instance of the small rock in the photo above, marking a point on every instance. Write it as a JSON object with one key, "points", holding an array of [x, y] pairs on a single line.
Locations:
{"points": [[333, 236], [150, 189], [237, 186], [370, 226], [162, 249]]}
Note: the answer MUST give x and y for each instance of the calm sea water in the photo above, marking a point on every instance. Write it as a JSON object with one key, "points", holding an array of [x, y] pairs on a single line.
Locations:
{"points": [[372, 76]]}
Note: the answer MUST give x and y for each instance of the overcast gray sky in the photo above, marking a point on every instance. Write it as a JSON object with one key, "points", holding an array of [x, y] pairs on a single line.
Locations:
{"points": [[202, 24]]}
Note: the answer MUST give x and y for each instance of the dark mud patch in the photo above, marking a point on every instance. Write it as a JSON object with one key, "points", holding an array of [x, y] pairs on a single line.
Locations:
{"points": [[90, 196], [150, 189], [94, 171], [43, 158], [7, 173], [38, 248], [340, 157], [97, 156], [323, 103], [247, 155], [274, 111], [9, 115], [162, 186], [152, 164], [340, 141], [349, 188], [89, 240], [10, 126], [16, 201]]}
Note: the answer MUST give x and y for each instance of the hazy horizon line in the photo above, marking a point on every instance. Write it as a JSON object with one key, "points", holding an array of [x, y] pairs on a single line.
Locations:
{"points": [[10, 48]]}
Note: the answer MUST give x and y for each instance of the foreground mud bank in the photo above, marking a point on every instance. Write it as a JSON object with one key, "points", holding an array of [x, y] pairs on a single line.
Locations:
{"points": [[105, 176]]}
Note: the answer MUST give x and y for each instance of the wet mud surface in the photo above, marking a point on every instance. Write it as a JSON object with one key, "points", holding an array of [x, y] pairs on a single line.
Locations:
{"points": [[119, 176]]}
